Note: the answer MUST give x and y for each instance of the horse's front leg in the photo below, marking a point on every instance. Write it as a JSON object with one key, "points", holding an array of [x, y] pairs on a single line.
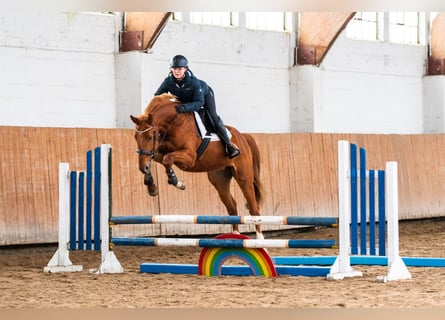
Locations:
{"points": [[182, 160], [173, 179], [145, 168], [151, 186]]}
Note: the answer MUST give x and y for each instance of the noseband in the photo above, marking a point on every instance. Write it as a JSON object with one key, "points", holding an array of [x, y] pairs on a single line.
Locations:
{"points": [[150, 153], [142, 152]]}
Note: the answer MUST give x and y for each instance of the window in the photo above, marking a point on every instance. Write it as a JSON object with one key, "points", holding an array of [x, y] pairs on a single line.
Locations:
{"points": [[212, 18], [405, 27], [366, 26], [397, 27], [272, 21]]}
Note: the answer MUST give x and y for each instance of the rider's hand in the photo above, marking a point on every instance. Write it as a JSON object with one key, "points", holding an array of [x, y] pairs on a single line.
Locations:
{"points": [[180, 109]]}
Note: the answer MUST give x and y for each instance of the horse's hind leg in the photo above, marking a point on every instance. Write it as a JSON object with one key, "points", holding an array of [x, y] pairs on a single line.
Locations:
{"points": [[247, 187], [220, 179]]}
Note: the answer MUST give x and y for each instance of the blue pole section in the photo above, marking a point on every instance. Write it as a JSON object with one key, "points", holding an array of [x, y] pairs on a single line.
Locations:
{"points": [[359, 260], [89, 201], [81, 212], [354, 199], [382, 213], [363, 201], [319, 221], [372, 233], [238, 270], [218, 220], [131, 220], [97, 198], [73, 200]]}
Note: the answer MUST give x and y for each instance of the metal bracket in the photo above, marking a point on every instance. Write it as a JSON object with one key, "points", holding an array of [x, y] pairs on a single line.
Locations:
{"points": [[131, 40], [436, 66], [306, 55]]}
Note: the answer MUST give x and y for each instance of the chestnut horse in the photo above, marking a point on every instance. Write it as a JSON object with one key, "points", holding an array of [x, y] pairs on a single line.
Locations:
{"points": [[170, 138]]}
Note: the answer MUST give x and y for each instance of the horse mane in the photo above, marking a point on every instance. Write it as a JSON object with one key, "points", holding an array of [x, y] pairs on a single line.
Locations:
{"points": [[161, 101], [161, 113]]}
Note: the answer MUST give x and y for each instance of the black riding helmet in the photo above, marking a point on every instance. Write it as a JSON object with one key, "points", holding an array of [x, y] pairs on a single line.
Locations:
{"points": [[179, 61]]}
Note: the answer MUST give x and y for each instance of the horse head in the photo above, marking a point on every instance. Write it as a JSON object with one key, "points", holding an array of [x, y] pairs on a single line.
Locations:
{"points": [[151, 132]]}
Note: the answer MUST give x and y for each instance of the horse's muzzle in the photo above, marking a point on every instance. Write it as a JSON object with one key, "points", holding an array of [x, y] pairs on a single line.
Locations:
{"points": [[148, 179], [145, 168]]}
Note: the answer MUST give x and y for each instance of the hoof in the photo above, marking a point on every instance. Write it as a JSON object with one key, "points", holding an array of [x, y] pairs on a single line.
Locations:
{"points": [[180, 185], [154, 192]]}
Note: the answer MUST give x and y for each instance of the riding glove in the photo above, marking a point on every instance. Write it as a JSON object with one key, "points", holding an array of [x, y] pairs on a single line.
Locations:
{"points": [[180, 109]]}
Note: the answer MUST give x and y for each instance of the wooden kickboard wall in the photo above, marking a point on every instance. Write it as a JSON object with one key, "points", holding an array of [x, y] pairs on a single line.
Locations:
{"points": [[299, 173]]}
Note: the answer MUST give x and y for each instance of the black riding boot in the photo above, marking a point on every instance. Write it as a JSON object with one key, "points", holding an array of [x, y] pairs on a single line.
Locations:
{"points": [[231, 150]]}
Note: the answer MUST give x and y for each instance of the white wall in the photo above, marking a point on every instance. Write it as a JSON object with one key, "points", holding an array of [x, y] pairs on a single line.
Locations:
{"points": [[248, 70], [434, 103], [128, 88], [57, 69], [363, 87], [64, 69]]}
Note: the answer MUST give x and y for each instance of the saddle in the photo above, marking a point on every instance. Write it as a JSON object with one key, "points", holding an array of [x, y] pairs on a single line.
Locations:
{"points": [[206, 130], [205, 125]]}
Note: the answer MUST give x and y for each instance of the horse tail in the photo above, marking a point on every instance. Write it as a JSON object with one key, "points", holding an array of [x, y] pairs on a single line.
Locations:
{"points": [[259, 190]]}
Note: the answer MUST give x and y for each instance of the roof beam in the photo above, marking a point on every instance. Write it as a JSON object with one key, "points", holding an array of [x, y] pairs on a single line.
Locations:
{"points": [[318, 31], [142, 29], [436, 62]]}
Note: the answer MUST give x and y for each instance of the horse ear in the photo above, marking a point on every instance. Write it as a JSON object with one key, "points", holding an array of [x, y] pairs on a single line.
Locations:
{"points": [[136, 120]]}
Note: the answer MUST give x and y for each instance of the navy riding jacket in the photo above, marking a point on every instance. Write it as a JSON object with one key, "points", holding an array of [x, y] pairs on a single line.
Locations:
{"points": [[189, 90]]}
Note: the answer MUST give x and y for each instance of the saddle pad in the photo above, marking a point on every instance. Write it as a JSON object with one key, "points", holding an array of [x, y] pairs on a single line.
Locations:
{"points": [[203, 131]]}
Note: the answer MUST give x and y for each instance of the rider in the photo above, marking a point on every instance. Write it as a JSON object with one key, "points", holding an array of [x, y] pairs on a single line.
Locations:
{"points": [[195, 94]]}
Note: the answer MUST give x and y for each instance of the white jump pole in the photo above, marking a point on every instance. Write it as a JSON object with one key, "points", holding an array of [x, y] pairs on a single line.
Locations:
{"points": [[342, 265], [397, 269], [109, 264], [60, 262], [341, 268]]}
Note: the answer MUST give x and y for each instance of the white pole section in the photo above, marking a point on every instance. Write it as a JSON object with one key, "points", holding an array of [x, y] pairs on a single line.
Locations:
{"points": [[109, 264], [397, 269], [60, 262], [342, 266]]}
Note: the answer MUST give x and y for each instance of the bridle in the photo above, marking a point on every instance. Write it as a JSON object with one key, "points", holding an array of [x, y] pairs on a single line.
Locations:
{"points": [[152, 153]]}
